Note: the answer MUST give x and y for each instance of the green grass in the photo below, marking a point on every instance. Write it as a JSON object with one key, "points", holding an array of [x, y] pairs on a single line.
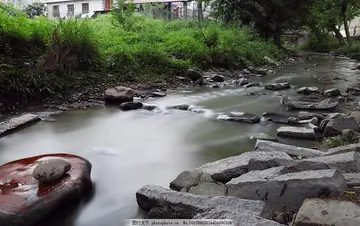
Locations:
{"points": [[131, 47]]}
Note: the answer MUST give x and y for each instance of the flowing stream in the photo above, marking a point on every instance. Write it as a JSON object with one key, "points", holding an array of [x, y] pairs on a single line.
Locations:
{"points": [[131, 149]]}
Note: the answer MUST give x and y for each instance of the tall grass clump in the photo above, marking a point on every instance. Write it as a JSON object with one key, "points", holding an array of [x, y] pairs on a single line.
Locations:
{"points": [[71, 46]]}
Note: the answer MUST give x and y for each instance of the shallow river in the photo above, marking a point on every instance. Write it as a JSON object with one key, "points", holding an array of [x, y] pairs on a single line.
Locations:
{"points": [[131, 149]]}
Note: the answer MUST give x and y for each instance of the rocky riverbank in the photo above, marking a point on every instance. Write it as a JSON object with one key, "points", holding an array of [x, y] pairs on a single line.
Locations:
{"points": [[268, 186]]}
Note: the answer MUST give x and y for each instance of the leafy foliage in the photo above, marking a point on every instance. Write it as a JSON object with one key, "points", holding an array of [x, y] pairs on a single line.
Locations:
{"points": [[35, 10]]}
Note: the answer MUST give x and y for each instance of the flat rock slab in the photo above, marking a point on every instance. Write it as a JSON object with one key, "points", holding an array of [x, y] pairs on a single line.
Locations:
{"points": [[303, 115], [25, 201], [262, 136], [308, 90], [289, 190], [328, 213], [296, 132], [343, 149], [262, 174], [352, 179], [278, 118], [304, 105], [345, 162], [224, 170], [239, 117], [289, 149], [16, 123], [332, 92], [278, 86], [186, 206]]}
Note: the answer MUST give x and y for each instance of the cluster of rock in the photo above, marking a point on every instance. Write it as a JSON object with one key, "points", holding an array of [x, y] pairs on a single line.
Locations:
{"points": [[276, 184], [33, 189]]}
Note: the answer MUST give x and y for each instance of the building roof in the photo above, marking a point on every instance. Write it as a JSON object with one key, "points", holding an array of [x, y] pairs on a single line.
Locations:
{"points": [[155, 1]]}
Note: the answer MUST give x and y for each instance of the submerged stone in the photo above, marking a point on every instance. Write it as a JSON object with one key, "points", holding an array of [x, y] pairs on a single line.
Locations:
{"points": [[16, 123]]}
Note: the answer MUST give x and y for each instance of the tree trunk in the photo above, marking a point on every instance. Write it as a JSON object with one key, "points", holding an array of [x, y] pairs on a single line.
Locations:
{"points": [[277, 38], [344, 11], [338, 35]]}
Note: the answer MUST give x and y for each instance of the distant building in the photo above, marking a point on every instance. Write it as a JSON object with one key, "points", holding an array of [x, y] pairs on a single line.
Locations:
{"points": [[71, 8]]}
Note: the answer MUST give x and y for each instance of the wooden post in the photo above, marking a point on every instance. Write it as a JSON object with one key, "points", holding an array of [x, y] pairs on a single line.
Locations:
{"points": [[169, 10], [185, 10]]}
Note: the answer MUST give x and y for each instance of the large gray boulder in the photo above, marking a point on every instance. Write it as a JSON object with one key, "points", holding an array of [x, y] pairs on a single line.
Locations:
{"points": [[217, 78], [289, 149], [225, 169], [239, 117], [345, 162], [185, 180], [278, 86], [207, 188], [263, 174], [343, 149], [305, 105], [298, 166], [289, 190], [328, 213], [128, 106], [16, 123], [332, 92], [352, 179], [186, 206], [118, 95], [356, 115], [337, 125], [194, 75], [296, 132]]}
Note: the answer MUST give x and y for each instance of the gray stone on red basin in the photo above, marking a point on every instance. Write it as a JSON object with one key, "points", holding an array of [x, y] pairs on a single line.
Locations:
{"points": [[296, 132], [289, 149], [51, 170], [289, 190], [186, 206], [343, 149], [224, 170], [25, 201], [345, 162], [328, 213], [16, 123]]}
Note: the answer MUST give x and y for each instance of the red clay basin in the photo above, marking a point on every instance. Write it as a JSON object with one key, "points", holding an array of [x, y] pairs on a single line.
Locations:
{"points": [[25, 201]]}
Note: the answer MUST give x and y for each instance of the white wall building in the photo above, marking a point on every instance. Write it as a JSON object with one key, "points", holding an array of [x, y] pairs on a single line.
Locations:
{"points": [[70, 8]]}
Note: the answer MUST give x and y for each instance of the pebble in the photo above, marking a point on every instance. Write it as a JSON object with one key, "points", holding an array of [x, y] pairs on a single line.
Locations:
{"points": [[51, 170]]}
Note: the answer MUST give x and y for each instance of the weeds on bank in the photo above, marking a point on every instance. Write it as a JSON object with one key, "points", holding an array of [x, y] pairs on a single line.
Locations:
{"points": [[128, 46]]}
